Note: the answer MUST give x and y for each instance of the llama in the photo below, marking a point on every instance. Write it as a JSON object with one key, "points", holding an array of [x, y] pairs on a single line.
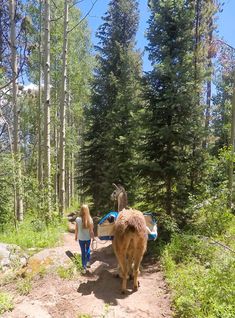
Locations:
{"points": [[119, 195], [130, 240]]}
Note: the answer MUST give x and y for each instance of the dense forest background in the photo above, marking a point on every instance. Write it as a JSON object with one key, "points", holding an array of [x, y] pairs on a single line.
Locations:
{"points": [[84, 121]]}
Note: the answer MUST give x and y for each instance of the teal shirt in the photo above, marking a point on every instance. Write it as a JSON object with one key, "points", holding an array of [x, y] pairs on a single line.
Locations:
{"points": [[83, 234]]}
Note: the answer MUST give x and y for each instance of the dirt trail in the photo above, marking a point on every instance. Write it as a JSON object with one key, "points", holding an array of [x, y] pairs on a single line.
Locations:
{"points": [[97, 294]]}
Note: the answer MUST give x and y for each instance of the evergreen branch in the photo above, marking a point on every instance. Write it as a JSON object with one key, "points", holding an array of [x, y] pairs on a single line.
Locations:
{"points": [[224, 43], [19, 69], [86, 15], [3, 129]]}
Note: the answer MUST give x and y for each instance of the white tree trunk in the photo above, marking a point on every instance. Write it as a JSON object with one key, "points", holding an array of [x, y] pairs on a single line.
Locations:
{"points": [[68, 155], [56, 181], [40, 166], [72, 163], [16, 147], [47, 105], [72, 178], [231, 164], [62, 114]]}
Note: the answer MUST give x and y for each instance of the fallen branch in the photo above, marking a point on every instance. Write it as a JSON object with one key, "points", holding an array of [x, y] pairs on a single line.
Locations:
{"points": [[217, 243]]}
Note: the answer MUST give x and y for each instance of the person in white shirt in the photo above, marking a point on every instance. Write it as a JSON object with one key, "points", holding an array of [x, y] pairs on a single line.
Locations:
{"points": [[84, 232]]}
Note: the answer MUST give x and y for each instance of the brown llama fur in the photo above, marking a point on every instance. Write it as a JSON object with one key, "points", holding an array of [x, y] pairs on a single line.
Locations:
{"points": [[129, 243]]}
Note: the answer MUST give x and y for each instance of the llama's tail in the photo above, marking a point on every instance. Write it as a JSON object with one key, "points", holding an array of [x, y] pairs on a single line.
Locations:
{"points": [[136, 223]]}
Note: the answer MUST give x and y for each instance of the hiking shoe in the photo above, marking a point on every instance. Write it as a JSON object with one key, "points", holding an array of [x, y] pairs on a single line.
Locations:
{"points": [[88, 265], [83, 271]]}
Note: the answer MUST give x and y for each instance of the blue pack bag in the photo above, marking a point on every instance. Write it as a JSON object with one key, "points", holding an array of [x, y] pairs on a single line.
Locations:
{"points": [[105, 229]]}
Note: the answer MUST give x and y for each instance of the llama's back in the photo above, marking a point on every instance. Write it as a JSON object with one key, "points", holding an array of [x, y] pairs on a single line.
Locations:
{"points": [[130, 221]]}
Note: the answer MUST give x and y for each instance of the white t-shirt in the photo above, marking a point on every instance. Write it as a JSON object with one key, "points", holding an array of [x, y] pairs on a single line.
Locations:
{"points": [[83, 234]]}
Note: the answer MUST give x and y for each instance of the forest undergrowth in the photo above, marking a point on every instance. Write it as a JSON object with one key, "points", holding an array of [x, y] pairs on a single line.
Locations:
{"points": [[34, 233], [199, 265]]}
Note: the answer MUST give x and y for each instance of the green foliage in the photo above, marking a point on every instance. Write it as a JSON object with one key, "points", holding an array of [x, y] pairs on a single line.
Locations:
{"points": [[84, 316], [210, 221], [198, 266], [106, 311], [77, 260], [111, 130], [201, 272], [70, 271], [222, 100], [155, 248], [38, 225], [6, 302], [66, 272], [8, 278], [174, 160], [185, 247], [199, 291], [24, 286], [33, 233], [6, 189], [80, 65]]}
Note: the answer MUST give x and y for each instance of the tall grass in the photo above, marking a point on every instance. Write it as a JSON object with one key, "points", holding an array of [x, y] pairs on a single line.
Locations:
{"points": [[33, 233]]}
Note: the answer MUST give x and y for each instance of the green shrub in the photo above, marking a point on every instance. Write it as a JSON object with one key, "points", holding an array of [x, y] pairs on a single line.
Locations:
{"points": [[7, 278], [84, 316], [6, 190], [155, 248], [70, 272], [24, 286], [6, 303], [202, 278], [66, 273], [33, 234], [77, 260], [211, 215], [184, 248], [38, 225]]}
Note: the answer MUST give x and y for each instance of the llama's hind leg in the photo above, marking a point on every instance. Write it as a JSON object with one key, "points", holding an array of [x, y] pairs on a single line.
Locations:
{"points": [[124, 273], [137, 260], [130, 263], [121, 254], [117, 273], [123, 269]]}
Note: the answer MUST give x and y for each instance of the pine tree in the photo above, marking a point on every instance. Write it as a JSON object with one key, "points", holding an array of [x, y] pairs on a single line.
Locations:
{"points": [[174, 92], [223, 117], [109, 150], [222, 111]]}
